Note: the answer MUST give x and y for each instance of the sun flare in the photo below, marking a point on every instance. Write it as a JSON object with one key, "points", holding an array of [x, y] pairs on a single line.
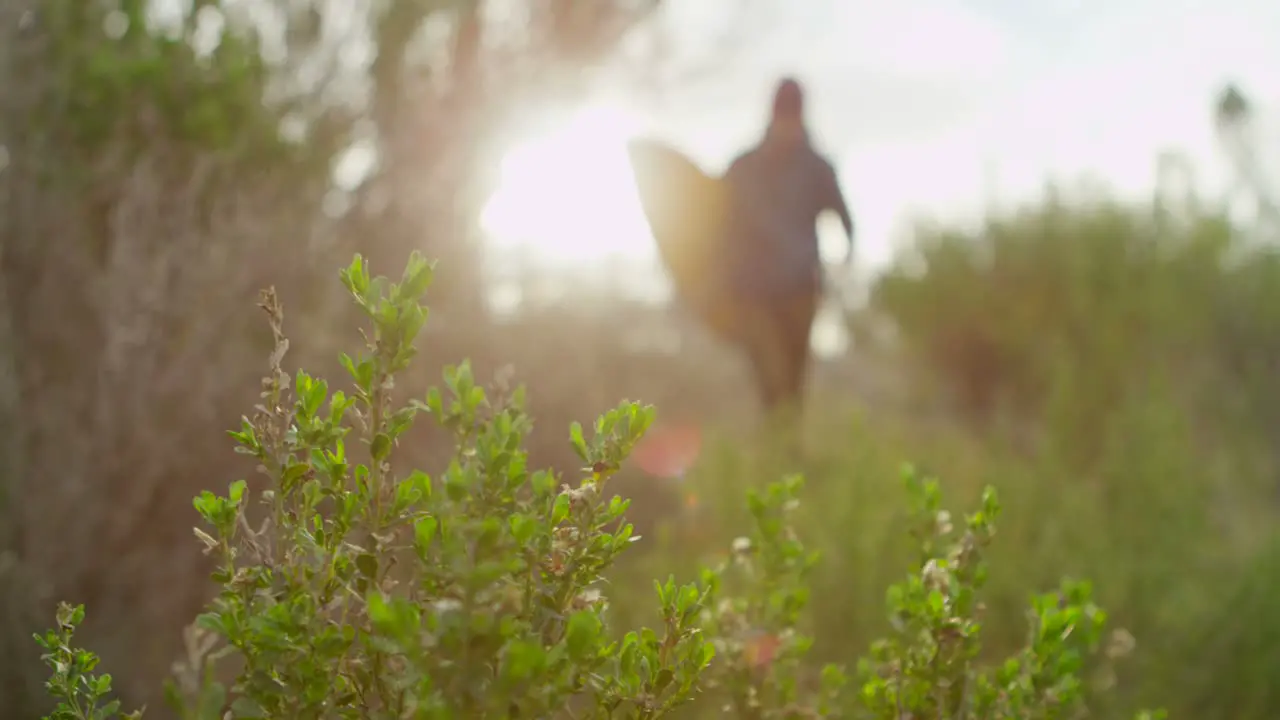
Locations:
{"points": [[568, 197]]}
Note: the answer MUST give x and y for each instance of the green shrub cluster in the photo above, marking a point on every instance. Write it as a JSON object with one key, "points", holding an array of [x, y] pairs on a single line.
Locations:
{"points": [[1051, 316], [123, 71], [350, 587], [1133, 347], [1115, 372]]}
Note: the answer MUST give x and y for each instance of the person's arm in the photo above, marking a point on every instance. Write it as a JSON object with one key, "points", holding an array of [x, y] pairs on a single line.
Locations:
{"points": [[832, 198]]}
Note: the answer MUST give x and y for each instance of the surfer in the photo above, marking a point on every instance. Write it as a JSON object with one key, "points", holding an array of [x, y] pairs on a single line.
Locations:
{"points": [[776, 191]]}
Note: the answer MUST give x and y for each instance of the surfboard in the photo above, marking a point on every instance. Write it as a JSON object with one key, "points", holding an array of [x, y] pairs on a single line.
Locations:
{"points": [[687, 210]]}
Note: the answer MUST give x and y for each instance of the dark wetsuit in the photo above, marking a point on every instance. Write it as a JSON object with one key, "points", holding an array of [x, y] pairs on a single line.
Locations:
{"points": [[778, 194], [777, 191]]}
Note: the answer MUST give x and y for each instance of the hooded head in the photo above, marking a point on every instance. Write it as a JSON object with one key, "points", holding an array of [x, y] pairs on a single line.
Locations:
{"points": [[787, 120]]}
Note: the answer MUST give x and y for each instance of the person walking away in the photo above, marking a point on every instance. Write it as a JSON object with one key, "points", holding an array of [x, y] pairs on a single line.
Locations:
{"points": [[777, 191]]}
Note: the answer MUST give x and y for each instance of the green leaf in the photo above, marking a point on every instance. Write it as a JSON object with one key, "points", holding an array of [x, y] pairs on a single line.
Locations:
{"points": [[582, 634], [424, 531], [292, 474], [435, 402], [378, 608], [560, 511], [237, 491], [380, 448], [523, 528], [707, 653], [367, 564], [475, 398], [664, 678], [578, 441]]}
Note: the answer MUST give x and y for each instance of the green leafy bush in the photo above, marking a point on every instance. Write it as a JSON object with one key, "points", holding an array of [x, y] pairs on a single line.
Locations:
{"points": [[355, 589], [1079, 299], [124, 69]]}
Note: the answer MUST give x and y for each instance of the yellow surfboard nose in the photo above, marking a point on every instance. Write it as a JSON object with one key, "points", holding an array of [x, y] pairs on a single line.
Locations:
{"points": [[688, 212]]}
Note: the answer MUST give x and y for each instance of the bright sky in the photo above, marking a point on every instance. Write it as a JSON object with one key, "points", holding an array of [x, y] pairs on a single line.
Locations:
{"points": [[923, 105], [568, 194]]}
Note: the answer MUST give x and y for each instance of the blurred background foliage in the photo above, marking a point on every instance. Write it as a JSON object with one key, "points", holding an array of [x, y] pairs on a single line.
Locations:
{"points": [[1110, 366]]}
